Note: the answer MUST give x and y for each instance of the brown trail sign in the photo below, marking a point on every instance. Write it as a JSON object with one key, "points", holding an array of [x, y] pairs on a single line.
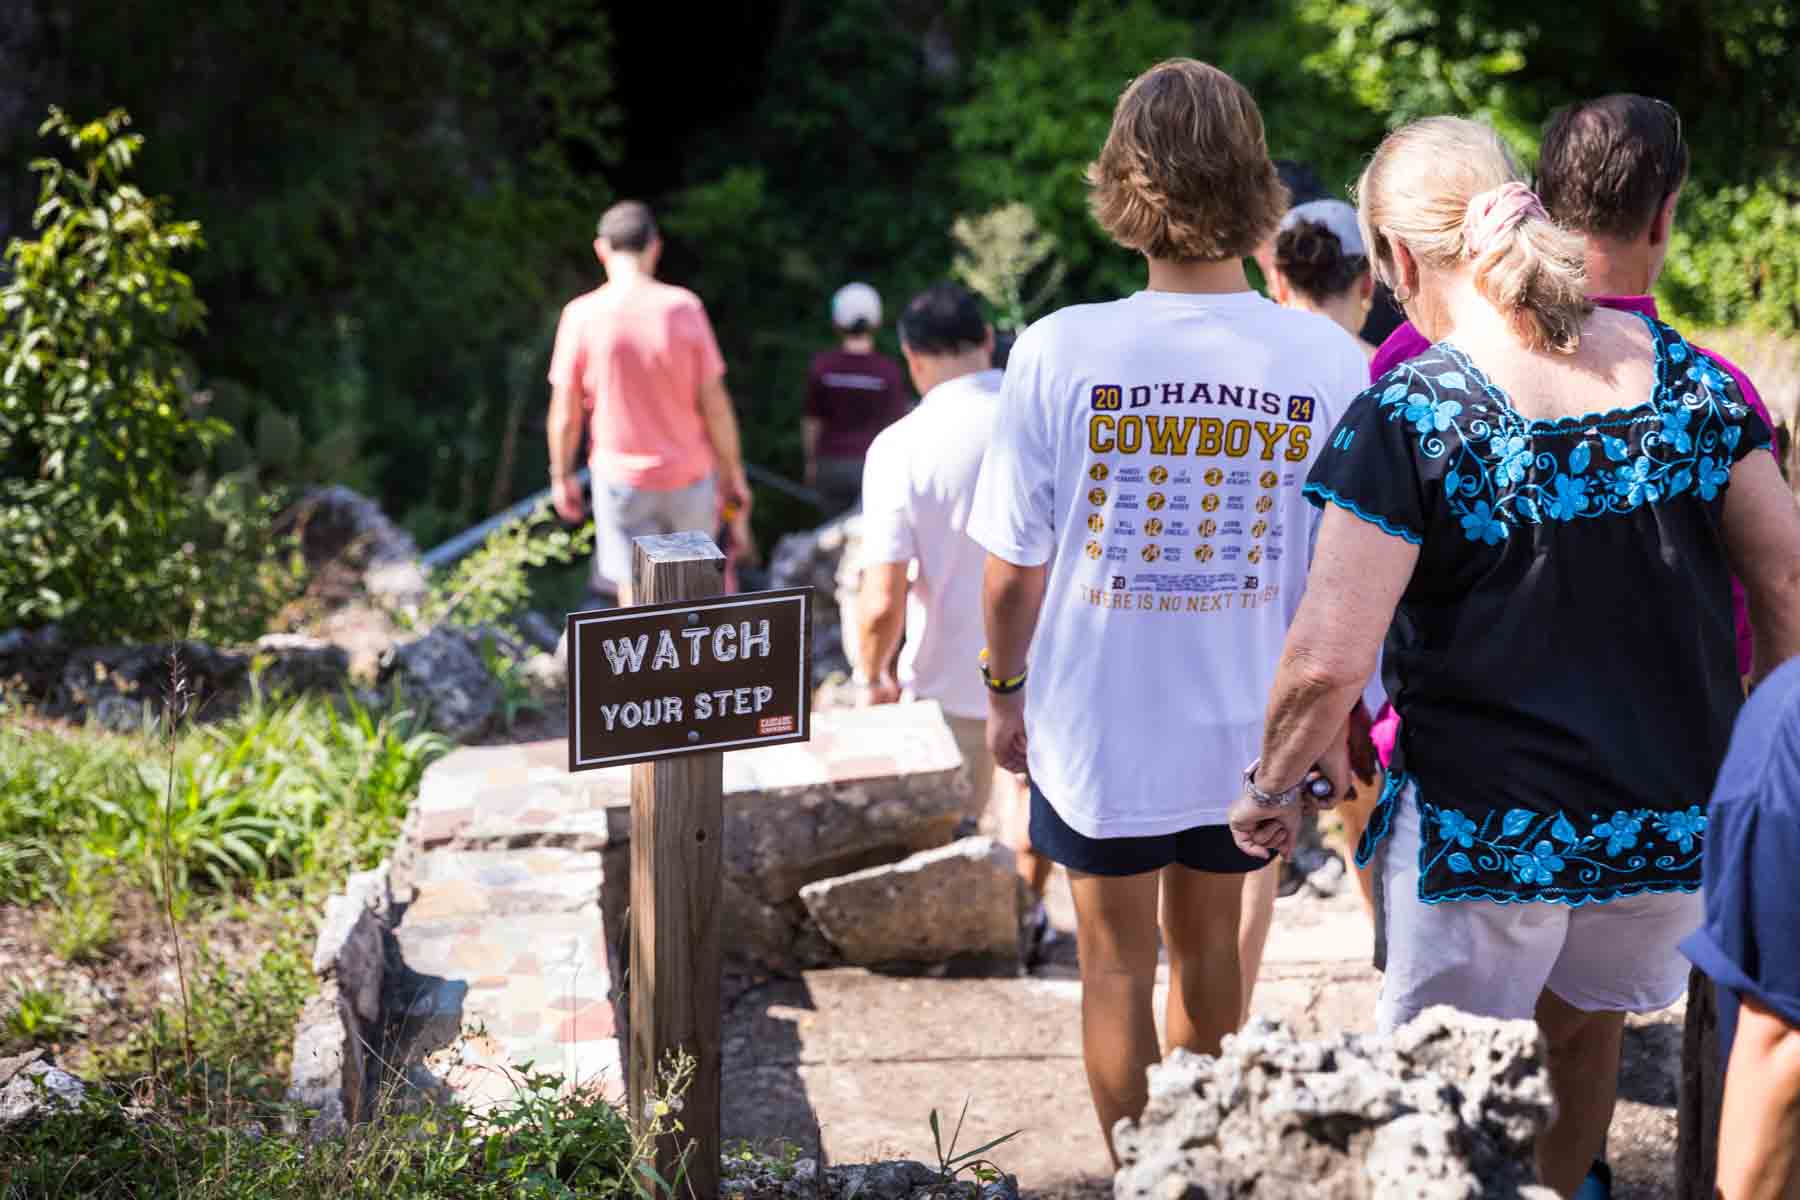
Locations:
{"points": [[668, 686]]}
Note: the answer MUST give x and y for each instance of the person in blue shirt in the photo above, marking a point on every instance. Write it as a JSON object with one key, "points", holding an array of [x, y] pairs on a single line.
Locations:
{"points": [[1750, 943]]}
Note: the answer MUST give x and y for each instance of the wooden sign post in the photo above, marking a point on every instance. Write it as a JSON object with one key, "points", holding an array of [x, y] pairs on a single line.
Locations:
{"points": [[668, 686]]}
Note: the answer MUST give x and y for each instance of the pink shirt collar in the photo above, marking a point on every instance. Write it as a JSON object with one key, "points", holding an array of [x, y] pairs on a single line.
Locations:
{"points": [[1644, 306]]}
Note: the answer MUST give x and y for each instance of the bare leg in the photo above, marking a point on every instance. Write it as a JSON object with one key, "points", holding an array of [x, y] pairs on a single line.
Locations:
{"points": [[1200, 914], [1259, 889], [1584, 1077], [1115, 931], [1012, 802]]}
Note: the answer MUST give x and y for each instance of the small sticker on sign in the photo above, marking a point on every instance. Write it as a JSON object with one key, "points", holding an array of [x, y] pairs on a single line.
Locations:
{"points": [[771, 725]]}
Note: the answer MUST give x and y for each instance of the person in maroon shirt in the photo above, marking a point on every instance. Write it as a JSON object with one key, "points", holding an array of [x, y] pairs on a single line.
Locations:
{"points": [[852, 394]]}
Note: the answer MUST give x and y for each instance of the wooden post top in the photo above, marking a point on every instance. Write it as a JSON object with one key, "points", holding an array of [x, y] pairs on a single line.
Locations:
{"points": [[678, 547]]}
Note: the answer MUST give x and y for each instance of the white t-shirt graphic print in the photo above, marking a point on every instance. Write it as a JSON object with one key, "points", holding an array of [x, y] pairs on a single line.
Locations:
{"points": [[1152, 451]]}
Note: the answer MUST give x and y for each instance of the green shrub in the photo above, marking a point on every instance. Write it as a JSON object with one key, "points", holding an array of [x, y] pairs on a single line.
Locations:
{"points": [[30, 1014], [491, 584], [550, 1146], [79, 926], [105, 523], [238, 1025], [282, 789], [1735, 256]]}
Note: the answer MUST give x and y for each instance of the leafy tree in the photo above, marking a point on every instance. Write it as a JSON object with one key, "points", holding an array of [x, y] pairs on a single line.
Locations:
{"points": [[1038, 114], [397, 199], [102, 523], [1735, 256]]}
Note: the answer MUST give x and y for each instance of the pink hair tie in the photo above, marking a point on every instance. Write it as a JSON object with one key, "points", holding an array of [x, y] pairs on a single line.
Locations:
{"points": [[1495, 212]]}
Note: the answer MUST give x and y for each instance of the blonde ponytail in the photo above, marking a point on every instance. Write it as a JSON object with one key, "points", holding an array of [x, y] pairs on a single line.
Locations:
{"points": [[1450, 191]]}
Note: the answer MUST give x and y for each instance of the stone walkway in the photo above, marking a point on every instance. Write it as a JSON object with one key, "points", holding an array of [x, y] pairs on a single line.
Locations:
{"points": [[506, 961], [863, 1058]]}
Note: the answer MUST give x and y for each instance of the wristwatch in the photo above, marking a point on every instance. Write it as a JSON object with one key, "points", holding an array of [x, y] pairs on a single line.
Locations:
{"points": [[1262, 799]]}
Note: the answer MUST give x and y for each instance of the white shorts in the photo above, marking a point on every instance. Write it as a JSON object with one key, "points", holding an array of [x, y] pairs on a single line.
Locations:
{"points": [[1494, 959], [622, 513]]}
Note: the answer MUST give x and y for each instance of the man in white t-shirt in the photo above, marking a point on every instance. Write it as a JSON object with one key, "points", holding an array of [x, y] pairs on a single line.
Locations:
{"points": [[921, 573], [1147, 539]]}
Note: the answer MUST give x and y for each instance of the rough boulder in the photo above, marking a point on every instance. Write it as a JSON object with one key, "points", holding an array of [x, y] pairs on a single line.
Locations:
{"points": [[1448, 1108]]}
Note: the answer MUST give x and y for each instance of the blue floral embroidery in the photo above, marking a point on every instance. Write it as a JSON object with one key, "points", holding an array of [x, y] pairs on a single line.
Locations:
{"points": [[1428, 417], [1539, 866], [1499, 474], [1454, 827], [1715, 473], [1682, 828], [1480, 524], [1637, 482], [1675, 429], [1568, 497], [1524, 854], [1620, 831]]}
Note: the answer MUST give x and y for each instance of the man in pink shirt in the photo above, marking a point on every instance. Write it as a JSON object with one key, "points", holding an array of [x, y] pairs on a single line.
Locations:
{"points": [[1612, 169], [640, 357]]}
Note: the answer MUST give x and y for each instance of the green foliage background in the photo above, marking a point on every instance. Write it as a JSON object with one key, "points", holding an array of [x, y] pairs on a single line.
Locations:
{"points": [[397, 199]]}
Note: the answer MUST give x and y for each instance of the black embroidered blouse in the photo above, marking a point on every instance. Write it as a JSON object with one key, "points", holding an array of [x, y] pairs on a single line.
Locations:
{"points": [[1563, 658]]}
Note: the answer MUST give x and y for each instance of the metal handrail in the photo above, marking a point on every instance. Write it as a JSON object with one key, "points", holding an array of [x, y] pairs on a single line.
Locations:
{"points": [[447, 552]]}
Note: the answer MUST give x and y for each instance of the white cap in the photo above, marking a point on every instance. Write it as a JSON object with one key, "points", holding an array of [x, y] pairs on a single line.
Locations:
{"points": [[856, 302], [1334, 215]]}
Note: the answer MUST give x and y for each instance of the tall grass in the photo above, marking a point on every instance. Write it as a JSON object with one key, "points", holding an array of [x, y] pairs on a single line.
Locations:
{"points": [[281, 790], [280, 800]]}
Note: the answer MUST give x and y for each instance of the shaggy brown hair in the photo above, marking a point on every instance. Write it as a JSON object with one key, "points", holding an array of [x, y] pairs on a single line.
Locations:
{"points": [[1185, 173], [1607, 165]]}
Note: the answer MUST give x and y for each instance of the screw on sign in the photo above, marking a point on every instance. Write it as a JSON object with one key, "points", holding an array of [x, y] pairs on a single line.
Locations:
{"points": [[668, 686]]}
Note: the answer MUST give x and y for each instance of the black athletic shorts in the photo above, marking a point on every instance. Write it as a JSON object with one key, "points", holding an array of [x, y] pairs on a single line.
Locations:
{"points": [[1202, 848]]}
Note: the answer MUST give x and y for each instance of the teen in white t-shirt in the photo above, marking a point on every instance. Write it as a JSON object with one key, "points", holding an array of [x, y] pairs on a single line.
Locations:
{"points": [[1140, 503], [1151, 454]]}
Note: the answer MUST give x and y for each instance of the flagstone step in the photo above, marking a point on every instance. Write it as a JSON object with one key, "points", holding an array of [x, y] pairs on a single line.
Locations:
{"points": [[502, 797]]}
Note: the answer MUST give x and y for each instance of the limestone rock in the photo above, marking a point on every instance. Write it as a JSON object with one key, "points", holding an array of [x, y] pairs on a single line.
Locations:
{"points": [[338, 526], [125, 687], [757, 1178], [373, 889], [443, 671], [349, 950], [31, 660], [539, 630], [330, 1071], [824, 559], [31, 1086], [291, 663], [1449, 1108], [873, 786], [963, 900]]}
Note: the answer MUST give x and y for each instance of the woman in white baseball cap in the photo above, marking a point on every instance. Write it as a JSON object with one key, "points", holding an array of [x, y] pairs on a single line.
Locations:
{"points": [[1322, 266], [852, 394]]}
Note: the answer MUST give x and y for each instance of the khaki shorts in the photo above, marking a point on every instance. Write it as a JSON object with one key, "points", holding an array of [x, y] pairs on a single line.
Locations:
{"points": [[622, 513], [971, 739]]}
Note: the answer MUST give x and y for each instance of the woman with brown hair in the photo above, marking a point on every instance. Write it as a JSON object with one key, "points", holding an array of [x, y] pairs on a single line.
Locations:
{"points": [[1545, 508], [1320, 265], [1140, 505]]}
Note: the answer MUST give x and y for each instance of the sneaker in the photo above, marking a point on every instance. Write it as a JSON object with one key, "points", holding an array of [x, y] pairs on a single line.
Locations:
{"points": [[1598, 1184], [1039, 934]]}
